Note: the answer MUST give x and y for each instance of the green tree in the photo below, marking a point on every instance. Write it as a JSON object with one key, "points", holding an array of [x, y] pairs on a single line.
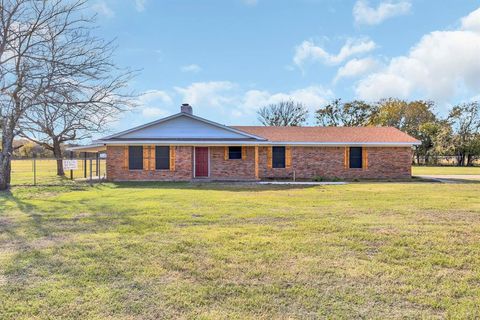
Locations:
{"points": [[465, 121], [347, 114], [417, 118]]}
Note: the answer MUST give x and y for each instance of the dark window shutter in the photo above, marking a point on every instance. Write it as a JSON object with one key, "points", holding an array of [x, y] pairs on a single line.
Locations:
{"points": [[355, 157], [135, 157], [278, 157], [162, 157], [234, 153]]}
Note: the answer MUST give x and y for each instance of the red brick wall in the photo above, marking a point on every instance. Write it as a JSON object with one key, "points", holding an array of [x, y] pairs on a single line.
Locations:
{"points": [[238, 169], [117, 172], [307, 162], [328, 162]]}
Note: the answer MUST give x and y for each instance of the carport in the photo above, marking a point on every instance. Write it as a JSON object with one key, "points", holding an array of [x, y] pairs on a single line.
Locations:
{"points": [[89, 154]]}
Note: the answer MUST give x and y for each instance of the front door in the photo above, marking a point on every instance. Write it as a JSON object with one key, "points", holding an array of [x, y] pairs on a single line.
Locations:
{"points": [[201, 162]]}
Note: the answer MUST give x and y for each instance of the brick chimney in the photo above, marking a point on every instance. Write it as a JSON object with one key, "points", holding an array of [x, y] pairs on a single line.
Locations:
{"points": [[186, 108]]}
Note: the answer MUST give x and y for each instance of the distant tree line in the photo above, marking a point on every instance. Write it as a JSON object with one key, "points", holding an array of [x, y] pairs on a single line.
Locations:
{"points": [[457, 133], [25, 148]]}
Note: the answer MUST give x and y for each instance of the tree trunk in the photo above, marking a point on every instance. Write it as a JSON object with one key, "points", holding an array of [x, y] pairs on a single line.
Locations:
{"points": [[470, 158], [57, 152], [6, 156], [460, 159]]}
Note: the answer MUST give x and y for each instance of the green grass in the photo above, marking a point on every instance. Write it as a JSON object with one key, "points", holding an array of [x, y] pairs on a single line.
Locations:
{"points": [[46, 171], [427, 170], [147, 251]]}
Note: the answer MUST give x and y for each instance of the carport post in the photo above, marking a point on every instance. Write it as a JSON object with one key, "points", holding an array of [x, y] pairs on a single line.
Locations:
{"points": [[91, 161], [85, 165], [97, 161]]}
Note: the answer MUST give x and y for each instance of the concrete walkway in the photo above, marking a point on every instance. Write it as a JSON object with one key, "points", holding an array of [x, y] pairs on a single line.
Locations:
{"points": [[451, 178], [301, 183]]}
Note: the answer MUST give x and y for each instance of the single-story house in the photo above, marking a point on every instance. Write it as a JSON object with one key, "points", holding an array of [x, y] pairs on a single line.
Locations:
{"points": [[183, 147]]}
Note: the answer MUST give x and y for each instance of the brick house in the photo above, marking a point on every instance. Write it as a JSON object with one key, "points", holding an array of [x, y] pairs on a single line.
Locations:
{"points": [[184, 147]]}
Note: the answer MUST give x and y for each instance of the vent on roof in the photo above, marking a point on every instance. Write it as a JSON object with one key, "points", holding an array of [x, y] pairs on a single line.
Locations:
{"points": [[186, 108]]}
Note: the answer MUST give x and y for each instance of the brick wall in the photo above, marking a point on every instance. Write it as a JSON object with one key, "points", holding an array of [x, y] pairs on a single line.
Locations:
{"points": [[238, 169], [328, 162], [116, 170], [307, 162]]}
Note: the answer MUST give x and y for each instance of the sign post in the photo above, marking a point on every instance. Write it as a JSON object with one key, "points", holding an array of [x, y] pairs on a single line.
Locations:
{"points": [[71, 171], [70, 164]]}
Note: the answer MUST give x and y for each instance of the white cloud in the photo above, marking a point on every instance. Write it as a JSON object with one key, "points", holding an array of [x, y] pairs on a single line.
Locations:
{"points": [[229, 99], [357, 67], [307, 51], [153, 103], [472, 21], [364, 14], [153, 96], [213, 93], [194, 68], [151, 112], [441, 65], [313, 97], [102, 8], [140, 5], [250, 2]]}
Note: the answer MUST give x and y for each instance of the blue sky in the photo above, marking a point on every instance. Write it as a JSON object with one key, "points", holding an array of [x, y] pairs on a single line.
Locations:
{"points": [[229, 57]]}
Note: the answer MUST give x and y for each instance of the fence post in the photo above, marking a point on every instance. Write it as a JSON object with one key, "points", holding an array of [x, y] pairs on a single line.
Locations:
{"points": [[34, 169], [85, 165], [71, 171]]}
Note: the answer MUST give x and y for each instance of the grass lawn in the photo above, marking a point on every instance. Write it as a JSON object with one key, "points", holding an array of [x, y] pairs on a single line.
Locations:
{"points": [[147, 251], [46, 171], [420, 170]]}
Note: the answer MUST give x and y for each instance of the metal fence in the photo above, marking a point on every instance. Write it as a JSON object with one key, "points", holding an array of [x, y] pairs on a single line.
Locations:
{"points": [[441, 161], [41, 171]]}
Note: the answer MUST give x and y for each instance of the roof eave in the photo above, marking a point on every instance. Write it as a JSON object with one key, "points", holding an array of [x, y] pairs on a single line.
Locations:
{"points": [[253, 143]]}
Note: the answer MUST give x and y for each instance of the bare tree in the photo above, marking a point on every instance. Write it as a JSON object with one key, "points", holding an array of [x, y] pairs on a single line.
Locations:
{"points": [[284, 113], [87, 91], [23, 34], [348, 114]]}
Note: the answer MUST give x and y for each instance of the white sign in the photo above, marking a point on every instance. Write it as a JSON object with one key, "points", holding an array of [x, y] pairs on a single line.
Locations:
{"points": [[70, 165]]}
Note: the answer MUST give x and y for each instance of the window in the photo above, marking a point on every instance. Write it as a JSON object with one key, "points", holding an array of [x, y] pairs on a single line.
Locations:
{"points": [[234, 153], [278, 157], [135, 158], [355, 157], [162, 158]]}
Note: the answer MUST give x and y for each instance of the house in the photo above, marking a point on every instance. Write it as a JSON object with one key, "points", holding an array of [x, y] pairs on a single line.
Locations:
{"points": [[183, 147]]}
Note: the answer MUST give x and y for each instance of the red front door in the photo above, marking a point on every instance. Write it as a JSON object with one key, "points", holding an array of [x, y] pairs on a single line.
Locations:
{"points": [[201, 162]]}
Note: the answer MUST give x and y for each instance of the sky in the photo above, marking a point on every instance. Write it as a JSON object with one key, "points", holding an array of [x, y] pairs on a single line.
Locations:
{"points": [[227, 58]]}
